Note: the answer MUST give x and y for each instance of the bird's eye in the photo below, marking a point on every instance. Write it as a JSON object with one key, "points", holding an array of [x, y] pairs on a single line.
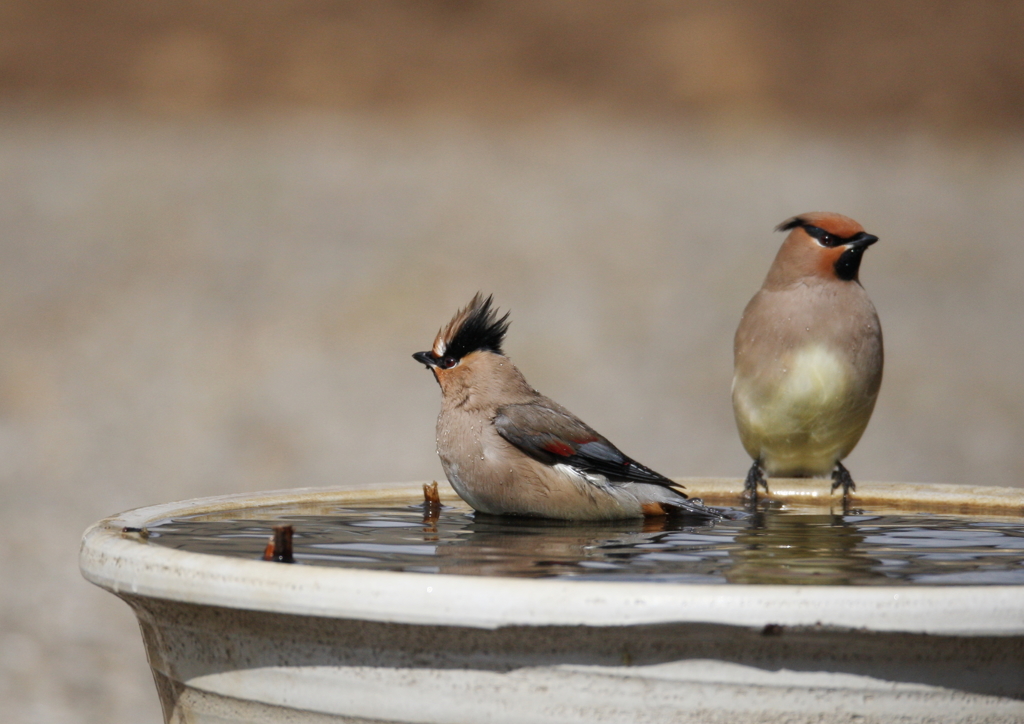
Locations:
{"points": [[824, 238], [447, 363]]}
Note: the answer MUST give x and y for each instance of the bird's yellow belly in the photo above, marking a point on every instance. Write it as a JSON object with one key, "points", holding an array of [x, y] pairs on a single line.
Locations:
{"points": [[803, 419]]}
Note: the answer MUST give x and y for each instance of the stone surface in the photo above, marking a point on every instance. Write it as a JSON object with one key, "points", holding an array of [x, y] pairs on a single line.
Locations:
{"points": [[234, 640]]}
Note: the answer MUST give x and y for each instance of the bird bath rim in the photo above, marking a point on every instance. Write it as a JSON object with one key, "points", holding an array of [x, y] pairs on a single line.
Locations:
{"points": [[124, 563]]}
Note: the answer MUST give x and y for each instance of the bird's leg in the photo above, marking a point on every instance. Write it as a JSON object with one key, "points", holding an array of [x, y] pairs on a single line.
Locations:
{"points": [[754, 478], [841, 476]]}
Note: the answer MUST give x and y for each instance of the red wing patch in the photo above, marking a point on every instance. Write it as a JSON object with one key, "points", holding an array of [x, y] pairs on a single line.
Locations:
{"points": [[557, 447]]}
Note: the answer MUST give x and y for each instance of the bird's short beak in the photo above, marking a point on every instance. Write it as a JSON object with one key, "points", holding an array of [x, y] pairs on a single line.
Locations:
{"points": [[426, 358], [861, 241]]}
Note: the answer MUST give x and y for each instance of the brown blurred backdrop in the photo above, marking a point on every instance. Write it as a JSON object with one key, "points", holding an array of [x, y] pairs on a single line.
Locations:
{"points": [[955, 66], [226, 226]]}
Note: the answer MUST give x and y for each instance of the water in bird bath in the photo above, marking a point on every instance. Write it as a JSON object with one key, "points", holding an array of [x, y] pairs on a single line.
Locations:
{"points": [[779, 544]]}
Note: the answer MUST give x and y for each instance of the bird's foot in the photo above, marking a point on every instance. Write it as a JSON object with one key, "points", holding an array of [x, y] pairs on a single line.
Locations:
{"points": [[754, 479], [841, 476]]}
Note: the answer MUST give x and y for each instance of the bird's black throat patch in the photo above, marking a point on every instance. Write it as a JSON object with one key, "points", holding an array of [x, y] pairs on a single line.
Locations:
{"points": [[847, 266]]}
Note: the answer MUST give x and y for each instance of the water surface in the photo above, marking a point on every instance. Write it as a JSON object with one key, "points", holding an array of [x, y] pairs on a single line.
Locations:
{"points": [[770, 546]]}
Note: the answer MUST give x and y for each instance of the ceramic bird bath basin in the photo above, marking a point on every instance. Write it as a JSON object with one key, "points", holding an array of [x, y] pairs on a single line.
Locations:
{"points": [[236, 639]]}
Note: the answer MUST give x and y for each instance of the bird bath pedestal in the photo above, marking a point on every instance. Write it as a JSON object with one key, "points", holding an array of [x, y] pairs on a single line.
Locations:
{"points": [[234, 640]]}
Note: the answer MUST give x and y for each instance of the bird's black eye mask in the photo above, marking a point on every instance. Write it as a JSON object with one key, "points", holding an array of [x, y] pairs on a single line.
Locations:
{"points": [[826, 238], [432, 360]]}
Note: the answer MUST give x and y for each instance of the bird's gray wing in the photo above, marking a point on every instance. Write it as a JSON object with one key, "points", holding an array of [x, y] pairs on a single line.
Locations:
{"points": [[552, 435]]}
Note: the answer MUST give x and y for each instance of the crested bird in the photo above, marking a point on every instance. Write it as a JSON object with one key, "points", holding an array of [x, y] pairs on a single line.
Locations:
{"points": [[509, 450], [808, 355]]}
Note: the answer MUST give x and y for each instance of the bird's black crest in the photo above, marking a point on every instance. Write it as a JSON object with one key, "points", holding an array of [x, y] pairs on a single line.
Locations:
{"points": [[475, 328], [790, 224]]}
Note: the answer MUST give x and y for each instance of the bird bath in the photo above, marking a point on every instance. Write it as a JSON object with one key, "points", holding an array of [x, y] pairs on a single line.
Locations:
{"points": [[236, 639]]}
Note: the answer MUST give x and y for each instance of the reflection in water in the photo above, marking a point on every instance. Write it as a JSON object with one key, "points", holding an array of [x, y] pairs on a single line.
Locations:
{"points": [[803, 549], [536, 548], [773, 545]]}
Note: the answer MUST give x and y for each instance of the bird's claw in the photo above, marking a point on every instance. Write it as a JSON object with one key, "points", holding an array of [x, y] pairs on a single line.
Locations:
{"points": [[754, 479], [841, 476]]}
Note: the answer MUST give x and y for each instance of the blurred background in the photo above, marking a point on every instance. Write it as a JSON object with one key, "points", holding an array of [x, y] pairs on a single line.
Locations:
{"points": [[226, 226]]}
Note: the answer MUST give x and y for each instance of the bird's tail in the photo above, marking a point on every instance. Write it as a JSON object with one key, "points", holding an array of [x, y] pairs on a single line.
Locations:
{"points": [[675, 503]]}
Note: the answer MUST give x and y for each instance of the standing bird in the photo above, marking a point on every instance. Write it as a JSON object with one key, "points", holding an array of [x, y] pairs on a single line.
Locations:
{"points": [[808, 355], [509, 450]]}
